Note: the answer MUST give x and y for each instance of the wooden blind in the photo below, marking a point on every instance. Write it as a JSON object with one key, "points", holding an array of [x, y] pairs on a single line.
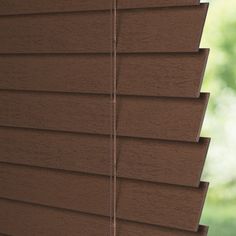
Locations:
{"points": [[55, 117]]}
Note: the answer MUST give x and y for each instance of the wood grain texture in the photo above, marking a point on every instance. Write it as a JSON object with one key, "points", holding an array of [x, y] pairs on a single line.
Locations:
{"points": [[55, 117], [124, 4], [147, 117], [139, 201], [176, 29], [172, 75], [21, 219], [151, 160], [13, 7]]}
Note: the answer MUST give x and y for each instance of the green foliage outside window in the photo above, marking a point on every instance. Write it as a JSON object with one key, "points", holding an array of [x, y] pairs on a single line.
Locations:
{"points": [[220, 122]]}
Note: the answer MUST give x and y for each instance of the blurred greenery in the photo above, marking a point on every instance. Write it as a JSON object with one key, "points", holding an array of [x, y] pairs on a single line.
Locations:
{"points": [[220, 122], [221, 218]]}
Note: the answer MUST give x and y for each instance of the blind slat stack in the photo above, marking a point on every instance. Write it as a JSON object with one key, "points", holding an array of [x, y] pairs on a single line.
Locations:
{"points": [[55, 117]]}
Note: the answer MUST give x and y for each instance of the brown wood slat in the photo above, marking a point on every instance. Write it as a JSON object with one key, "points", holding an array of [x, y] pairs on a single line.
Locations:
{"points": [[147, 117], [44, 6], [16, 217], [144, 202], [173, 75], [151, 160], [124, 4], [174, 29]]}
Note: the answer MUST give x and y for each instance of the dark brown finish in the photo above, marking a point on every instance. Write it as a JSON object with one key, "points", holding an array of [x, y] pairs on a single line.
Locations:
{"points": [[44, 6], [138, 201], [17, 218], [55, 117], [139, 31], [147, 117], [124, 4], [152, 160], [173, 75]]}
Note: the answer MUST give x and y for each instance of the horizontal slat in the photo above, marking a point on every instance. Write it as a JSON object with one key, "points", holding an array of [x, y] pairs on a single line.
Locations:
{"points": [[144, 202], [123, 4], [151, 160], [22, 219], [176, 29], [173, 75], [147, 117], [43, 6]]}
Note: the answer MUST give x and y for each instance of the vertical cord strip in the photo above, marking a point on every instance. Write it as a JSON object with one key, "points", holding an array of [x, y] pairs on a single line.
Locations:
{"points": [[115, 115], [113, 177]]}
